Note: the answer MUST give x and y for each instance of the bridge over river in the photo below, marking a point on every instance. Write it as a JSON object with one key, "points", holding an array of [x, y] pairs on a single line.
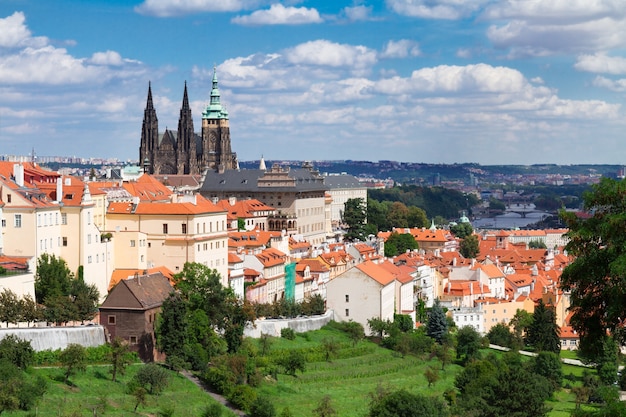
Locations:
{"points": [[522, 209]]}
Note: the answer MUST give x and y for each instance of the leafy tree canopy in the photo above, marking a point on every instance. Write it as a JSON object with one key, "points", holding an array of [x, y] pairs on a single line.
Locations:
{"points": [[398, 243], [469, 247], [437, 324], [595, 279], [544, 333]]}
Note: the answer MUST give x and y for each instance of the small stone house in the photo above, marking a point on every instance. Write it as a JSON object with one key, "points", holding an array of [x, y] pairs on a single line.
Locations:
{"points": [[130, 311]]}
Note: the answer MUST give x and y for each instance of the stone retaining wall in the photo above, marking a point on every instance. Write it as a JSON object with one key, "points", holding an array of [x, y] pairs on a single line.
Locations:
{"points": [[273, 327]]}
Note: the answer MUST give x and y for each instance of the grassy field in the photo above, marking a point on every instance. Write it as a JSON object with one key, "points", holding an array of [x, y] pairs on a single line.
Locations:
{"points": [[94, 390], [349, 378], [350, 381]]}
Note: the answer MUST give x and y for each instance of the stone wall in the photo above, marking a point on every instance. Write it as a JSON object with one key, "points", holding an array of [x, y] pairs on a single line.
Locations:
{"points": [[42, 338], [273, 327]]}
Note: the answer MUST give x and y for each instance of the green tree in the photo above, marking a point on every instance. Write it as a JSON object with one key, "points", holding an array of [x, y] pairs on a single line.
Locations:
{"points": [[417, 217], [537, 244], [53, 278], [17, 351], [172, 329], [325, 408], [59, 309], [405, 404], [85, 298], [501, 335], [595, 279], [469, 247], [331, 347], [262, 407], [548, 364], [501, 387], [119, 357], [378, 326], [151, 377], [292, 362], [354, 216], [468, 343], [30, 311], [9, 307], [442, 353], [74, 359], [521, 322], [437, 325], [607, 362], [398, 243], [355, 331], [544, 333], [377, 215], [432, 376], [462, 230], [398, 215], [18, 390]]}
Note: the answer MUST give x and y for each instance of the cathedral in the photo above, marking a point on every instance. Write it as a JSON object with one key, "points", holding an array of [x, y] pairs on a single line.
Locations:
{"points": [[184, 151]]}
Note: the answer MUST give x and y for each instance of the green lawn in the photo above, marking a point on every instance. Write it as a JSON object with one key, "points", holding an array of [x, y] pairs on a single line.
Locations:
{"points": [[95, 390], [349, 381]]}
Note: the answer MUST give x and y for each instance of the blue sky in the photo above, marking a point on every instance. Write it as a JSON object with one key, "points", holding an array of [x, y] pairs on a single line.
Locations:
{"points": [[435, 81]]}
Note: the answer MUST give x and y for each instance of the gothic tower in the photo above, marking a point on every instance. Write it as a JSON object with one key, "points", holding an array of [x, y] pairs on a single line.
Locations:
{"points": [[149, 135], [184, 152], [217, 154], [186, 158]]}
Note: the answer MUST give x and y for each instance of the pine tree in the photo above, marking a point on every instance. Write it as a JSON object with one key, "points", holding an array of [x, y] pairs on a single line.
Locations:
{"points": [[437, 324], [543, 333]]}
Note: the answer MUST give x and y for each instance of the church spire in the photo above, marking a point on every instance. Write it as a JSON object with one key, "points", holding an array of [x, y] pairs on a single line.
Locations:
{"points": [[149, 104], [215, 110], [185, 99]]}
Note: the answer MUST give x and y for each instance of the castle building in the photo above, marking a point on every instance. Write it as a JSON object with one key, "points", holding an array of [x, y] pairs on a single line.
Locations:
{"points": [[184, 151]]}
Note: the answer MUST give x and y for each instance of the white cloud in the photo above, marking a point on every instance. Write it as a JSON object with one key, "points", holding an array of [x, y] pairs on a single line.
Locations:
{"points": [[278, 14], [613, 85], [169, 8], [107, 58], [358, 13], [401, 49], [331, 54], [540, 28], [464, 53], [436, 9], [601, 63], [14, 33]]}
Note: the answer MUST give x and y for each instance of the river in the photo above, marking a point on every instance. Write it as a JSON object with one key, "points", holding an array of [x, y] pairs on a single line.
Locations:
{"points": [[509, 220]]}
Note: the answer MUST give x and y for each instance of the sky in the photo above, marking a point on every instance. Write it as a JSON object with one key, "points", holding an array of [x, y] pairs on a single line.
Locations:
{"points": [[433, 81]]}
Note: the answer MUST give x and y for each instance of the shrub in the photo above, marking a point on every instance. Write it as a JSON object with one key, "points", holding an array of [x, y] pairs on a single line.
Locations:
{"points": [[242, 396], [152, 378], [288, 333], [262, 407], [212, 410], [220, 379]]}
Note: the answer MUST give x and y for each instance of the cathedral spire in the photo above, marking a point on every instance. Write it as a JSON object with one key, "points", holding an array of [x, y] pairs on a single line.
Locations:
{"points": [[185, 99], [149, 104], [215, 110]]}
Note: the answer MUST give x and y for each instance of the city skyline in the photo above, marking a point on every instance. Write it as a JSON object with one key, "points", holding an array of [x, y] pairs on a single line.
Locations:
{"points": [[489, 81]]}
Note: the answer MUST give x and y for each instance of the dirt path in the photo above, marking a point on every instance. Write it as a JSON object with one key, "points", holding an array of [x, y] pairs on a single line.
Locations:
{"points": [[219, 398]]}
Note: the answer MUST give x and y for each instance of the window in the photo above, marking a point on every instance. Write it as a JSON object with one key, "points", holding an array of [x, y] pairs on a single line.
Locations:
{"points": [[64, 240], [88, 239], [8, 198], [89, 259], [347, 298], [347, 312], [4, 223], [184, 225], [133, 340], [63, 218], [164, 228], [132, 243], [111, 320], [18, 220]]}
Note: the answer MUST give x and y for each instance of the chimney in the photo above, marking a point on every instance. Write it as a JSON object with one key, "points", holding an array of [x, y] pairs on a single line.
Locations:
{"points": [[18, 173], [232, 200], [59, 190]]}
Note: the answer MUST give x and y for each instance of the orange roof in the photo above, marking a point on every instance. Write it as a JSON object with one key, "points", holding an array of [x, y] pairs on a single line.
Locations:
{"points": [[464, 288], [233, 259], [492, 271], [376, 272], [271, 257], [315, 265], [245, 209], [161, 208], [120, 274], [148, 188]]}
